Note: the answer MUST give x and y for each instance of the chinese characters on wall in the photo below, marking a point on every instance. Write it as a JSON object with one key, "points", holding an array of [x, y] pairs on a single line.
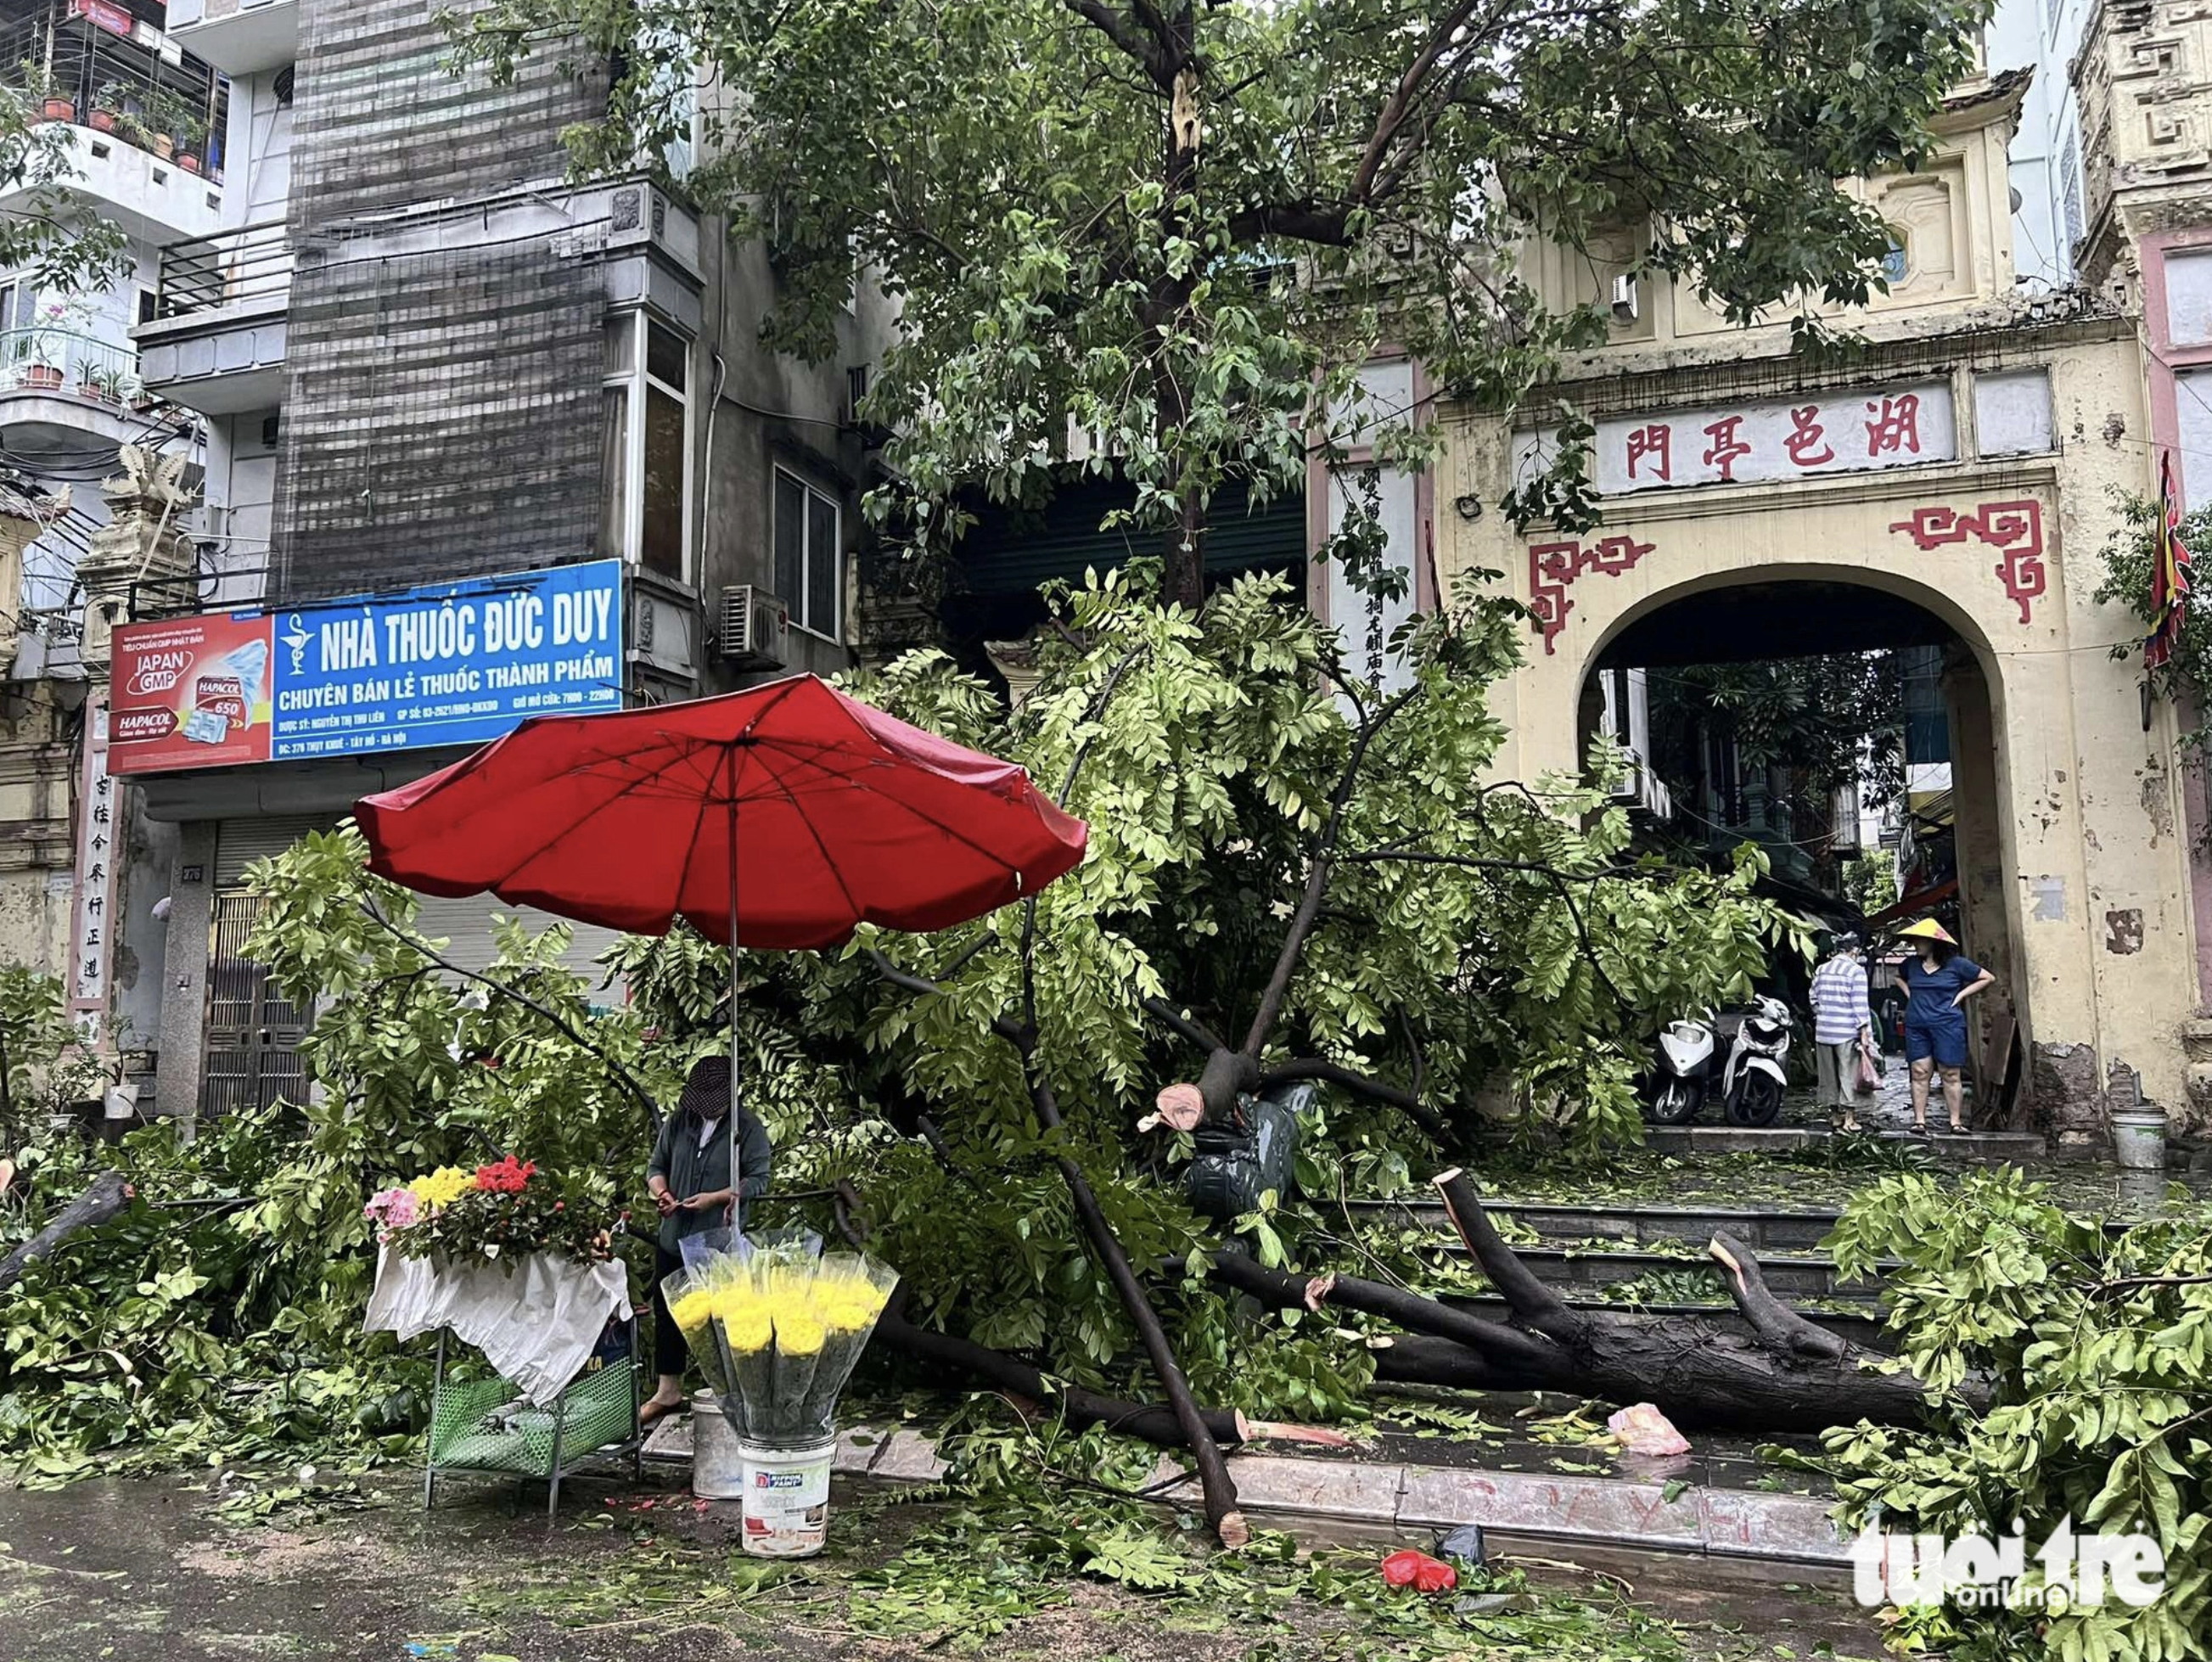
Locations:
{"points": [[97, 842], [1843, 432], [1553, 566], [2013, 529]]}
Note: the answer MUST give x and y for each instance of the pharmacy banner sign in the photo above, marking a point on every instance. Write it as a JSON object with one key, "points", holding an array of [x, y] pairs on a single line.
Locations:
{"points": [[456, 664]]}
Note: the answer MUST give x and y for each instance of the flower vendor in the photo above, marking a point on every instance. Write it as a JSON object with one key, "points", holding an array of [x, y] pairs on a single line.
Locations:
{"points": [[702, 1172]]}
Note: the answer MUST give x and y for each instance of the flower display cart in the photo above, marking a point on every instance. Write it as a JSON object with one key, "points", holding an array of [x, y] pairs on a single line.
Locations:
{"points": [[560, 1340]]}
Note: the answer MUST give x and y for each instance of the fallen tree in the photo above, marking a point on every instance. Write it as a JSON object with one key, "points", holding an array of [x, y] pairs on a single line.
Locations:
{"points": [[107, 1195], [1279, 851], [1789, 1375]]}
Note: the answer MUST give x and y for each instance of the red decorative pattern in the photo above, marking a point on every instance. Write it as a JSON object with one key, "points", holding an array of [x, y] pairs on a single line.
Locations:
{"points": [[1554, 566], [2014, 527]]}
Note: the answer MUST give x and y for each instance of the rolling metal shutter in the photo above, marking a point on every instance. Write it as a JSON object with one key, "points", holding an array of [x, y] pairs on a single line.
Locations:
{"points": [[239, 843], [467, 925]]}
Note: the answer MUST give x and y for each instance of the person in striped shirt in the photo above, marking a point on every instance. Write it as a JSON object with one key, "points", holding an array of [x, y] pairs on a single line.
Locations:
{"points": [[1841, 1025]]}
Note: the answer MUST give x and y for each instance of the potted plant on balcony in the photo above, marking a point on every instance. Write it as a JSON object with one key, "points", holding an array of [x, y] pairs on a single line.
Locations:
{"points": [[45, 93], [135, 131], [60, 323], [98, 379], [192, 136], [107, 106], [162, 115]]}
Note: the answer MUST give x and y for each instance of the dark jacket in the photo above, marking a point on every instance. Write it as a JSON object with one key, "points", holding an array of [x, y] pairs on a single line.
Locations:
{"points": [[693, 1170]]}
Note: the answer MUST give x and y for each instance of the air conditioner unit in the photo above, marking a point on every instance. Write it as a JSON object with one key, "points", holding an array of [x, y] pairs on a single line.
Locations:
{"points": [[1624, 299], [753, 629]]}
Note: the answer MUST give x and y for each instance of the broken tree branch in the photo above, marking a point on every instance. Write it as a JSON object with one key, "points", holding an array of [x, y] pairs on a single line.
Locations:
{"points": [[1525, 1355], [1330, 1073], [1187, 1026], [1528, 1299], [107, 1195], [1220, 1492], [1322, 857], [1773, 1320]]}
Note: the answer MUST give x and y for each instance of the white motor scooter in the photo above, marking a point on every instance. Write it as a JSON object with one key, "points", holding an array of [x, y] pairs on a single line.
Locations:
{"points": [[1758, 1072], [1682, 1074]]}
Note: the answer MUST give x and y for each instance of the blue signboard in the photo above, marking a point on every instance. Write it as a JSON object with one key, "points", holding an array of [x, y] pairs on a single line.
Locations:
{"points": [[453, 664]]}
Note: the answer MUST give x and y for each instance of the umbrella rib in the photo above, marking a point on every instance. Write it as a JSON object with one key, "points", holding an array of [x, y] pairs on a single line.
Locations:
{"points": [[691, 853], [851, 906], [855, 781], [583, 820]]}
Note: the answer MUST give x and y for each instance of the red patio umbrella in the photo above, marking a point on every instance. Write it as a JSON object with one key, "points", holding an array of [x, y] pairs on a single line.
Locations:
{"points": [[633, 819]]}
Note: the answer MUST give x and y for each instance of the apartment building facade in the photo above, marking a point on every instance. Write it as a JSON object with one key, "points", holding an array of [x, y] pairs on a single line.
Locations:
{"points": [[472, 441]]}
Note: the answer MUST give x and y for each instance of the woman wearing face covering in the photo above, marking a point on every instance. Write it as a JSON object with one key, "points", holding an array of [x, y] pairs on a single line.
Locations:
{"points": [[701, 1176]]}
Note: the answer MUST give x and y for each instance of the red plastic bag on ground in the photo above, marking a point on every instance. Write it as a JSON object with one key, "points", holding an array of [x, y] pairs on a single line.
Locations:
{"points": [[1418, 1571]]}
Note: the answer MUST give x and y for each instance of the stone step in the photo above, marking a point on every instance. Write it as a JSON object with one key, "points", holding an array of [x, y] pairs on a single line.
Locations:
{"points": [[1798, 1274], [1762, 1229], [2024, 1146], [1709, 1514]]}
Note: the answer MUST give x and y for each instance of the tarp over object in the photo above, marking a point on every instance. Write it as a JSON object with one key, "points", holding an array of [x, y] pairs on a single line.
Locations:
{"points": [[537, 1320]]}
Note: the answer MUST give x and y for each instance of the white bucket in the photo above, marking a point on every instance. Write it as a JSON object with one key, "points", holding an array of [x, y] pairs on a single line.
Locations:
{"points": [[718, 1465], [2139, 1139], [786, 1513]]}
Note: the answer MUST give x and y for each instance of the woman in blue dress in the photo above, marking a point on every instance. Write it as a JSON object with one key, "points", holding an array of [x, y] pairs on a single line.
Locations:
{"points": [[1937, 984]]}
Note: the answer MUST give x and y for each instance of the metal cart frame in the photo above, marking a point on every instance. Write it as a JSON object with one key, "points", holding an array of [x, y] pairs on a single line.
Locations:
{"points": [[555, 1470]]}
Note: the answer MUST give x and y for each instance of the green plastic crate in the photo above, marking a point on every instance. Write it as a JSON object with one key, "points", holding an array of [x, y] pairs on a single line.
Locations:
{"points": [[485, 1426]]}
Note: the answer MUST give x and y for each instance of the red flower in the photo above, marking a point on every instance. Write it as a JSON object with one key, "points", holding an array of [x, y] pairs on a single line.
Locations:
{"points": [[506, 1177]]}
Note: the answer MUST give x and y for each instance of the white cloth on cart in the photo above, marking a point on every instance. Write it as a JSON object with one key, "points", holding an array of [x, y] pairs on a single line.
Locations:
{"points": [[537, 1319]]}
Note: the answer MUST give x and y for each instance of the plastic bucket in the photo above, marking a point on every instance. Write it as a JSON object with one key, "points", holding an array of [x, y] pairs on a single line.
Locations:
{"points": [[718, 1465], [786, 1499], [2139, 1139]]}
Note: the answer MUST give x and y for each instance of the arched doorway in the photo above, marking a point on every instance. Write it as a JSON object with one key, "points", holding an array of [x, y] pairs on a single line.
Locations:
{"points": [[1916, 728], [2082, 865]]}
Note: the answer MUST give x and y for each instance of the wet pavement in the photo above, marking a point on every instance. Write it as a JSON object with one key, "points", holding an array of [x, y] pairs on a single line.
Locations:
{"points": [[146, 1572]]}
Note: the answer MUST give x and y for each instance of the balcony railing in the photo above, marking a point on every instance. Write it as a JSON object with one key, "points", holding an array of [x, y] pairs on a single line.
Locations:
{"points": [[69, 70], [64, 361], [233, 268]]}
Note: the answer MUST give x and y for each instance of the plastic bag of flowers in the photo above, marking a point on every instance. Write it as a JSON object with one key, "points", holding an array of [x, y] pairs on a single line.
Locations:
{"points": [[788, 1289], [850, 1294], [748, 1335], [690, 1301]]}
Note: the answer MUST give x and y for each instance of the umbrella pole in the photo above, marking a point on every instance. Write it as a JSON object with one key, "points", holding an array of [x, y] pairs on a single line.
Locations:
{"points": [[732, 948]]}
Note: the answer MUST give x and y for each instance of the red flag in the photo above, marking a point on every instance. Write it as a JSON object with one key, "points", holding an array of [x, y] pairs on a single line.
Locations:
{"points": [[2169, 575]]}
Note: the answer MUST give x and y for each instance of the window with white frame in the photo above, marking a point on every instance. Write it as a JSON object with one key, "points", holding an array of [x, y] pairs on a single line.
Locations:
{"points": [[810, 558], [646, 445]]}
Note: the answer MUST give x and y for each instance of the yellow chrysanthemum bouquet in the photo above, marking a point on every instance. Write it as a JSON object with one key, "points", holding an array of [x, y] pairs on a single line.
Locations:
{"points": [[778, 1327]]}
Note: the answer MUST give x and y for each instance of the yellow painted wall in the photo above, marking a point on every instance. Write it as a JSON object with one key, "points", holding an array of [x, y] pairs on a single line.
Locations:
{"points": [[2089, 815]]}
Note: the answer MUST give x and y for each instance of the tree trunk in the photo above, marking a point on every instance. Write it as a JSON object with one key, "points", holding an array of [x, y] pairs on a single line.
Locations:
{"points": [[1789, 1375], [107, 1196], [1183, 581]]}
